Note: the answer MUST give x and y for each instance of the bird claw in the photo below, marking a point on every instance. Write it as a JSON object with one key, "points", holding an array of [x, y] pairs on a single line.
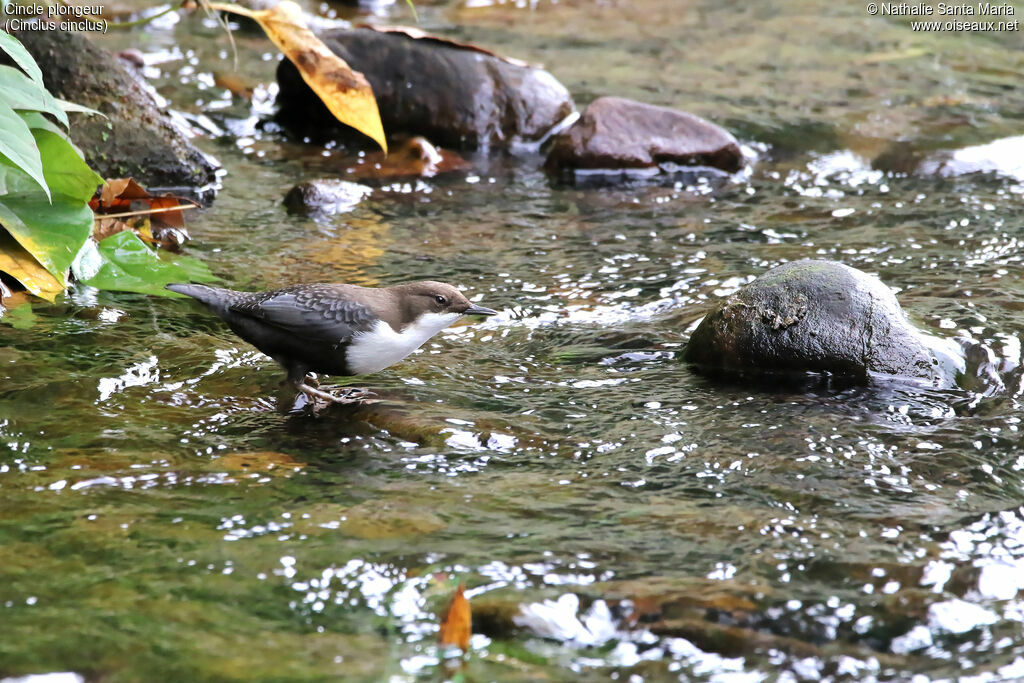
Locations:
{"points": [[348, 397]]}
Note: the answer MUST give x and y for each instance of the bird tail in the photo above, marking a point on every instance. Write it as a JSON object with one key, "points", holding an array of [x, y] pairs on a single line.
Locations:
{"points": [[217, 299]]}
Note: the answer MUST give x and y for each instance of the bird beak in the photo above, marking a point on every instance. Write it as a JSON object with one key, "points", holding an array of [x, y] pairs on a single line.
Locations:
{"points": [[479, 310]]}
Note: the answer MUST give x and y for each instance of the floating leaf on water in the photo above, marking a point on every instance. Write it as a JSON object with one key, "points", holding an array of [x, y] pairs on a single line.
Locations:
{"points": [[346, 92], [131, 266], [457, 622], [16, 311]]}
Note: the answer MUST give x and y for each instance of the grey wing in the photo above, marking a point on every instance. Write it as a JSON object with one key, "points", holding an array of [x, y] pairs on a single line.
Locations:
{"points": [[311, 312]]}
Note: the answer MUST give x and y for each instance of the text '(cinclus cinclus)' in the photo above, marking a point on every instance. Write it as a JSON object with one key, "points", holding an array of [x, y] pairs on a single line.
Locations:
{"points": [[336, 329]]}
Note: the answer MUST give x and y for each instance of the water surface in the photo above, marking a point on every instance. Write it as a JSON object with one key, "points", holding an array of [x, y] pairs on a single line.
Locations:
{"points": [[611, 512]]}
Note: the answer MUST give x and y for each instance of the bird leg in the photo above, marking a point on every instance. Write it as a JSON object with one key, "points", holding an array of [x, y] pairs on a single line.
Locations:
{"points": [[313, 392], [307, 383], [348, 396]]}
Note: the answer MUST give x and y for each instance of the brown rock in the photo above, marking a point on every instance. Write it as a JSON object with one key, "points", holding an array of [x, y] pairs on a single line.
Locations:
{"points": [[615, 133]]}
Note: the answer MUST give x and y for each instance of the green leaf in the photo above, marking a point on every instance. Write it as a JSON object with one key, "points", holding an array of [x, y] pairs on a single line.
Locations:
{"points": [[36, 120], [65, 171], [131, 266], [13, 47], [72, 108], [195, 270], [19, 317], [19, 146], [21, 92], [53, 232]]}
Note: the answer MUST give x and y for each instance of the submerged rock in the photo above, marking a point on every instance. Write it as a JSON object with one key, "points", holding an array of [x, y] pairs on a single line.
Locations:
{"points": [[823, 317], [615, 134], [136, 139], [456, 97]]}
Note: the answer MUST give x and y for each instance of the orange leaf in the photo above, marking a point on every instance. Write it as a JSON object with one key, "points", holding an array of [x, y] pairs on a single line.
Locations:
{"points": [[23, 267], [346, 92], [117, 194], [172, 219], [457, 624]]}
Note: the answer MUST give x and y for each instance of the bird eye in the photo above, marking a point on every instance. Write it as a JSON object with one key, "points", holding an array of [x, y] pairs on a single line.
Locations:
{"points": [[440, 299]]}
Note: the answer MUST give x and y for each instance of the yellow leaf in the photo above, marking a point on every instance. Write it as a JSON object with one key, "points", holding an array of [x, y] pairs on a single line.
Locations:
{"points": [[19, 264], [346, 92], [457, 623]]}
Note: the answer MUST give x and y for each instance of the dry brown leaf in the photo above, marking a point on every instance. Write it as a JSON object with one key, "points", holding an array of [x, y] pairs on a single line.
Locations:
{"points": [[413, 157], [346, 92], [121, 198], [23, 267], [457, 623], [117, 194], [103, 228], [418, 34], [233, 83]]}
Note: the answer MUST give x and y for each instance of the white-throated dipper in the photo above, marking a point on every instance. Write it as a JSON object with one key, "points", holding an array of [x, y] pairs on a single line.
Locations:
{"points": [[336, 329]]}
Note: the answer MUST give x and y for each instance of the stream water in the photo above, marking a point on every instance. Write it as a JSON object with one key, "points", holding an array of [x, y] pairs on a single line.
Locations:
{"points": [[612, 513]]}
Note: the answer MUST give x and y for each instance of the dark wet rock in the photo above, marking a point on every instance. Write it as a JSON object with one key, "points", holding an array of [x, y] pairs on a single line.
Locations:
{"points": [[456, 97], [325, 196], [615, 134], [136, 139], [821, 317]]}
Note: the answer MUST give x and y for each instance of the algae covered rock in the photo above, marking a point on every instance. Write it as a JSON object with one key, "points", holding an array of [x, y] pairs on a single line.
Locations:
{"points": [[822, 317], [134, 138]]}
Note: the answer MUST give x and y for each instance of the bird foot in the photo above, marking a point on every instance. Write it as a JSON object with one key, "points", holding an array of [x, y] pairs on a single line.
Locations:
{"points": [[348, 396]]}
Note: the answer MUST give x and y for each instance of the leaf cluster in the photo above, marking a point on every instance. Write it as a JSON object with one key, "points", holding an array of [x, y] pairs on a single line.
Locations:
{"points": [[45, 189]]}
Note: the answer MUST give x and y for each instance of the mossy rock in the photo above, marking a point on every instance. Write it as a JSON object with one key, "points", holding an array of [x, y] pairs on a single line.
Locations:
{"points": [[813, 316]]}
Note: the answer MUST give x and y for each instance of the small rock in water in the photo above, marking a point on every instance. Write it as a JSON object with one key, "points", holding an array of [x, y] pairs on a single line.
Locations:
{"points": [[822, 317], [325, 196], [615, 134], [459, 98]]}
